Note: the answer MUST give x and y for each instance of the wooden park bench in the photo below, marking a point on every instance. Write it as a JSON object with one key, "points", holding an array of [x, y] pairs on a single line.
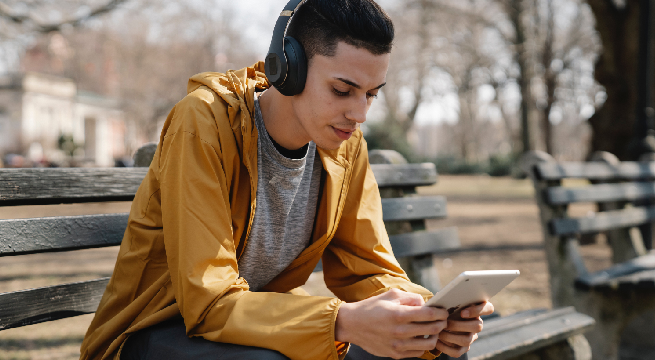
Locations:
{"points": [[405, 213], [622, 192], [537, 334]]}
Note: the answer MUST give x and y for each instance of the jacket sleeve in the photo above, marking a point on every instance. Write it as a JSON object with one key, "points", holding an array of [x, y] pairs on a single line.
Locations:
{"points": [[359, 262], [213, 300]]}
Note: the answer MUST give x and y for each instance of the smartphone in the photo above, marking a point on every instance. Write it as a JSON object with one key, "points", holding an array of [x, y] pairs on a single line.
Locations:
{"points": [[472, 287]]}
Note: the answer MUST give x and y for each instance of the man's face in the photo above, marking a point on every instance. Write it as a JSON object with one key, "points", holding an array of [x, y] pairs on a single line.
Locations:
{"points": [[338, 93]]}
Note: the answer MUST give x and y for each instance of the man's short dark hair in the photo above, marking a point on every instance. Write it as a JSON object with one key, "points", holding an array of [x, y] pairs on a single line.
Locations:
{"points": [[320, 24]]}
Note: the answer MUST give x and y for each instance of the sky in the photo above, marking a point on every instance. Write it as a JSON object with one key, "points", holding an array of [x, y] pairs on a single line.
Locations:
{"points": [[264, 12]]}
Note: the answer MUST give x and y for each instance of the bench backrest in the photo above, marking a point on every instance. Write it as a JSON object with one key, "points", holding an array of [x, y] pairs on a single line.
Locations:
{"points": [[84, 185], [629, 186], [623, 193], [405, 214]]}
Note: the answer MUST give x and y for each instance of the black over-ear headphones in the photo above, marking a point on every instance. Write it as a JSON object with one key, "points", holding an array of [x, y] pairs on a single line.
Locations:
{"points": [[286, 63]]}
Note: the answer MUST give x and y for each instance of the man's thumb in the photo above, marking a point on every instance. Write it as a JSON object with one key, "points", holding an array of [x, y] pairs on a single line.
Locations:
{"points": [[404, 298]]}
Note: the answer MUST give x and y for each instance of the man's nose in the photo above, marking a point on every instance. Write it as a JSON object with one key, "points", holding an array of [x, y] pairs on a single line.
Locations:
{"points": [[358, 110]]}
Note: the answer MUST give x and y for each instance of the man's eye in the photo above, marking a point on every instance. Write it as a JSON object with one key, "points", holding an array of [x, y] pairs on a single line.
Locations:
{"points": [[374, 96], [340, 93]]}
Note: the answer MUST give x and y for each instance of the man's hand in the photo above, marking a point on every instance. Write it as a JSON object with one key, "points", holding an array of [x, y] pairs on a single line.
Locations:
{"points": [[463, 330], [392, 324]]}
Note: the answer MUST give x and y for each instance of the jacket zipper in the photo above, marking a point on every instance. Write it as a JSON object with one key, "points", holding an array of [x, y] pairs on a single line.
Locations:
{"points": [[253, 195]]}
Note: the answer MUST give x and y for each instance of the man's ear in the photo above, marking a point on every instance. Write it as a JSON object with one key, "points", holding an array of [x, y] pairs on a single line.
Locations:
{"points": [[294, 83]]}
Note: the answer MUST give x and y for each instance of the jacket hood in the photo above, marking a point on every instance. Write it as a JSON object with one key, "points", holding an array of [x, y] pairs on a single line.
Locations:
{"points": [[235, 87]]}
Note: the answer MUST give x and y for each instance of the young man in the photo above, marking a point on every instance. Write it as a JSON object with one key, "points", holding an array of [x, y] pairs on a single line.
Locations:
{"points": [[242, 199]]}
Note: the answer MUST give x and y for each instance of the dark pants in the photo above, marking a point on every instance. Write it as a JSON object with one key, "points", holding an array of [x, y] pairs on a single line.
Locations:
{"points": [[168, 341]]}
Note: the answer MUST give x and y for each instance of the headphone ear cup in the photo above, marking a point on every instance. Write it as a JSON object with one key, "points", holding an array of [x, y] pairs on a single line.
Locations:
{"points": [[294, 83]]}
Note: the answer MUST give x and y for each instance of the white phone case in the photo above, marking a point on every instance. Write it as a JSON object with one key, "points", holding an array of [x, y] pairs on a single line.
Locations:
{"points": [[472, 287]]}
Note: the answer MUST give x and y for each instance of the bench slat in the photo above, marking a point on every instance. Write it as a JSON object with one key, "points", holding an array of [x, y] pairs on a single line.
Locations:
{"points": [[601, 193], [424, 242], [409, 175], [420, 243], [518, 334], [638, 273], [640, 280], [79, 185], [513, 320], [596, 171], [24, 236], [603, 221], [414, 208], [34, 306], [74, 185]]}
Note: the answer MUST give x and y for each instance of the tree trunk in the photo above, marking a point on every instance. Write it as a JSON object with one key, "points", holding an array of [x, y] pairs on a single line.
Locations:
{"points": [[421, 65], [467, 122], [515, 11], [550, 79], [616, 69]]}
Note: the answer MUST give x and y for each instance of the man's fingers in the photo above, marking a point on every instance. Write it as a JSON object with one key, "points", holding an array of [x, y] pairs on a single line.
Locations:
{"points": [[418, 329], [415, 344], [404, 298], [407, 314], [452, 350], [467, 326], [459, 339], [488, 309], [473, 311]]}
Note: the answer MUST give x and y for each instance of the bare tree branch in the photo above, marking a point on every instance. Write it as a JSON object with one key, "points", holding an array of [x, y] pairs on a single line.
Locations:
{"points": [[8, 13]]}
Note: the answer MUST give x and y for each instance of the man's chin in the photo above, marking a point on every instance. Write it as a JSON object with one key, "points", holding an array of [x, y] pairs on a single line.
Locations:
{"points": [[330, 145]]}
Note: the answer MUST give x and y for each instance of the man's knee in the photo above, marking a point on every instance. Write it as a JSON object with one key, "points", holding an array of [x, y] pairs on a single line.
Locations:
{"points": [[169, 341]]}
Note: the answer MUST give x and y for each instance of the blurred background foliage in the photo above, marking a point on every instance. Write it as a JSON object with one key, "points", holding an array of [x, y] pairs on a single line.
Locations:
{"points": [[472, 83]]}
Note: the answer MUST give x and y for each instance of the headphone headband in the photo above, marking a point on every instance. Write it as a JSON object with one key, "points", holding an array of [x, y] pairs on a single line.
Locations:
{"points": [[277, 64]]}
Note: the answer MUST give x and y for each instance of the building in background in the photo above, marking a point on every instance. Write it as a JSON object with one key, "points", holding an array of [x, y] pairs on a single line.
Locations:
{"points": [[47, 120]]}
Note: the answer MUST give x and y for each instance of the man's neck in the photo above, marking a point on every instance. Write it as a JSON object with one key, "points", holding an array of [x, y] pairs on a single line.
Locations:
{"points": [[281, 121]]}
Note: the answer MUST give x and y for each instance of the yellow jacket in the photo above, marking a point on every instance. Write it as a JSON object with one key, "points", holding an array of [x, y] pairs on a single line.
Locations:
{"points": [[190, 220]]}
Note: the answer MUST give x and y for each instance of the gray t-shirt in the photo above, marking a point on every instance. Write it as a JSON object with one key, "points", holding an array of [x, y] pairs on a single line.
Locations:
{"points": [[287, 194]]}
